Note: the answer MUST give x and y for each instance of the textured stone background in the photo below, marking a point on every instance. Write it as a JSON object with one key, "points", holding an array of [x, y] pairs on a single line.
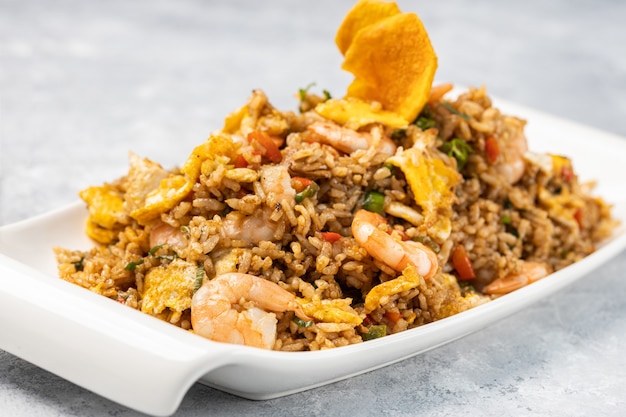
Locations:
{"points": [[84, 82]]}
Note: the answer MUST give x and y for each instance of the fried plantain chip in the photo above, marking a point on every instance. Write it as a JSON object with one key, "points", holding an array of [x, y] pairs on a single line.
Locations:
{"points": [[363, 14], [393, 63]]}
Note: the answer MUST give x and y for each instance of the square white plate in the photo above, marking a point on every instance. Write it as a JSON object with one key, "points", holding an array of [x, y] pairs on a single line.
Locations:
{"points": [[85, 338]]}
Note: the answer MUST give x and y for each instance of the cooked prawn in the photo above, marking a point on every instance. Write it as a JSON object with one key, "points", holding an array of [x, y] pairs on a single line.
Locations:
{"points": [[529, 273], [347, 140], [395, 253], [165, 234], [238, 308], [438, 91], [513, 164], [264, 223], [276, 184]]}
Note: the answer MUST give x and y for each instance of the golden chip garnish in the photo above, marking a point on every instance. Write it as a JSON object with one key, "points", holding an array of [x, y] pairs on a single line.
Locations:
{"points": [[363, 14], [354, 113], [393, 63]]}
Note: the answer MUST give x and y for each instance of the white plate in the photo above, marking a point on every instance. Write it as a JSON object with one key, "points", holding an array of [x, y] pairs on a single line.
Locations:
{"points": [[148, 365]]}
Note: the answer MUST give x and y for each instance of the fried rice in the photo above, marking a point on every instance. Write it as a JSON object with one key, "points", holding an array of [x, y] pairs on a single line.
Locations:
{"points": [[507, 208]]}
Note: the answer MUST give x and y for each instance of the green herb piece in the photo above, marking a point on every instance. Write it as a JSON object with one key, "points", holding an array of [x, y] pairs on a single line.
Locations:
{"points": [[132, 265], [428, 241], [79, 265], [458, 149], [304, 91], [505, 219], [327, 95], [398, 134], [308, 192], [155, 249], [424, 122], [199, 278], [448, 106], [390, 167], [374, 332], [167, 257], [374, 201], [302, 323], [186, 230]]}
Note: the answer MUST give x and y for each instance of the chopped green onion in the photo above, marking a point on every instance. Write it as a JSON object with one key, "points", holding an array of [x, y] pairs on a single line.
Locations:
{"points": [[426, 240], [155, 249], [304, 91], [79, 265], [374, 332], [132, 265], [186, 230], [448, 106], [308, 192], [398, 134], [390, 167], [327, 95], [506, 219], [302, 323], [458, 149], [374, 201], [424, 122], [199, 278]]}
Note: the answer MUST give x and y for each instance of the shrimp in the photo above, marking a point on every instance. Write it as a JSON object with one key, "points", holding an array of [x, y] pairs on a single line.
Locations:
{"points": [[165, 234], [397, 254], [276, 184], [238, 308], [530, 272], [438, 91], [513, 165], [264, 223], [347, 140]]}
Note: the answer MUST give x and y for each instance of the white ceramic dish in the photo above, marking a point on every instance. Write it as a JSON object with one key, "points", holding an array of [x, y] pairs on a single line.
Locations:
{"points": [[148, 365]]}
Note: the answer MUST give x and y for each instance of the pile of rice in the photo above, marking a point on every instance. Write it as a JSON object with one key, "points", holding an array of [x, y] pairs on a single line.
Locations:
{"points": [[546, 216]]}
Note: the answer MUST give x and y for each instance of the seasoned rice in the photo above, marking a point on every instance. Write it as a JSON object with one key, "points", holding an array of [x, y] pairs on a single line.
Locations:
{"points": [[545, 216]]}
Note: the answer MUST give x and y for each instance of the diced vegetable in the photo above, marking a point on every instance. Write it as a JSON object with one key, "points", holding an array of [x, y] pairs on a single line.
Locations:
{"points": [[300, 183], [374, 332], [132, 265], [79, 265], [393, 316], [374, 201], [578, 216], [425, 122], [302, 323], [462, 264], [331, 236], [308, 192], [428, 241], [390, 167], [458, 149], [269, 148], [240, 162], [492, 149]]}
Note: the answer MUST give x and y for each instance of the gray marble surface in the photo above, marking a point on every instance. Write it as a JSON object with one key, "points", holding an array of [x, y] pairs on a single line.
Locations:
{"points": [[84, 82]]}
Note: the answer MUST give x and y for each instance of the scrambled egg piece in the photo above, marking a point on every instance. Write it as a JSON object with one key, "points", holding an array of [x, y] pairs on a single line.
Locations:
{"points": [[107, 215], [431, 181], [330, 311], [218, 149], [153, 190], [354, 113], [380, 294], [169, 287]]}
